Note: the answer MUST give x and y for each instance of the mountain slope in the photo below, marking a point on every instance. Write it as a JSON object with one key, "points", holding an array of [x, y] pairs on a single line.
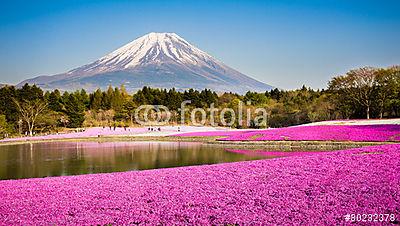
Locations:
{"points": [[162, 60]]}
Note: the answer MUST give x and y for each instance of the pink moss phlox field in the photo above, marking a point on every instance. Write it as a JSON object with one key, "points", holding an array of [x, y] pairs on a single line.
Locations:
{"points": [[214, 133], [99, 131], [272, 153], [323, 133], [317, 189], [90, 132]]}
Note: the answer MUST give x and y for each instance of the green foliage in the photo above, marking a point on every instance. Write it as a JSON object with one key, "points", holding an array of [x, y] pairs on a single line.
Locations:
{"points": [[96, 100], [50, 121], [75, 110], [366, 92], [29, 93], [127, 111], [354, 95], [4, 126], [117, 100], [7, 106], [54, 101], [255, 98]]}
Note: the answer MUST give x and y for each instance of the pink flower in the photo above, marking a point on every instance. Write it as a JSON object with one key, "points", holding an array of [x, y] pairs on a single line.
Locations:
{"points": [[317, 189], [322, 133]]}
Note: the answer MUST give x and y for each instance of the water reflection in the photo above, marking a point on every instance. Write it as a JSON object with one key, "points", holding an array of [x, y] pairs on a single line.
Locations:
{"points": [[73, 158]]}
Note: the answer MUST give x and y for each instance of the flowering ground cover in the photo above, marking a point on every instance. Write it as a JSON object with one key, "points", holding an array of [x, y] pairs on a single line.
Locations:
{"points": [[90, 132], [129, 131], [323, 133], [213, 133], [394, 121], [272, 154], [310, 189]]}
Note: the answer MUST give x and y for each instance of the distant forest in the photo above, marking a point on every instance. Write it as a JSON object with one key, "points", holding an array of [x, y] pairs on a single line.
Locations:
{"points": [[361, 93]]}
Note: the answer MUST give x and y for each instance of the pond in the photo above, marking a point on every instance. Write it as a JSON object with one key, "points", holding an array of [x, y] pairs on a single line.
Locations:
{"points": [[73, 158]]}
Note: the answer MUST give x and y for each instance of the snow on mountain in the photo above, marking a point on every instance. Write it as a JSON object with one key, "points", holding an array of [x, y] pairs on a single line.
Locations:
{"points": [[162, 60]]}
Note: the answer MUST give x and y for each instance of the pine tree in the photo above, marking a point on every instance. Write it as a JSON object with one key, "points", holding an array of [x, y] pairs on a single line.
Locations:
{"points": [[96, 100], [29, 93], [84, 97], [124, 93], [75, 111], [117, 100], [7, 106], [128, 110], [54, 101], [106, 100]]}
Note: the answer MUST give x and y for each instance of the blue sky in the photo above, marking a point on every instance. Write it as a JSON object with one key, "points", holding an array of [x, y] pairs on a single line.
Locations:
{"points": [[282, 43]]}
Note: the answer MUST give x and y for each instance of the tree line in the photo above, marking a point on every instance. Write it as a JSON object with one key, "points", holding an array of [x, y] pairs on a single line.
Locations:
{"points": [[361, 93]]}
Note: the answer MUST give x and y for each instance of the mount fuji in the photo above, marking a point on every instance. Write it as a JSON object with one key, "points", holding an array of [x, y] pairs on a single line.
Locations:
{"points": [[158, 60]]}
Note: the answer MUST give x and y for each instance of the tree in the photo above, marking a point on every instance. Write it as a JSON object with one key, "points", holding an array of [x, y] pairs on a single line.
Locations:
{"points": [[50, 120], [394, 101], [193, 96], [4, 126], [124, 93], [140, 98], [357, 85], [29, 93], [386, 87], [75, 111], [30, 111], [275, 94], [255, 98], [84, 98], [54, 101], [7, 107], [106, 99], [128, 110], [117, 100], [96, 100]]}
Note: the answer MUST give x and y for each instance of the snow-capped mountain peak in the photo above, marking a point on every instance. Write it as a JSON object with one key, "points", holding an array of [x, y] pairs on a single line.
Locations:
{"points": [[153, 48], [163, 60]]}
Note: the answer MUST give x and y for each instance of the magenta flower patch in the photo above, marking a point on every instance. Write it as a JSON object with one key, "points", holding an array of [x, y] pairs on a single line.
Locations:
{"points": [[322, 133], [217, 133], [272, 153], [317, 189]]}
